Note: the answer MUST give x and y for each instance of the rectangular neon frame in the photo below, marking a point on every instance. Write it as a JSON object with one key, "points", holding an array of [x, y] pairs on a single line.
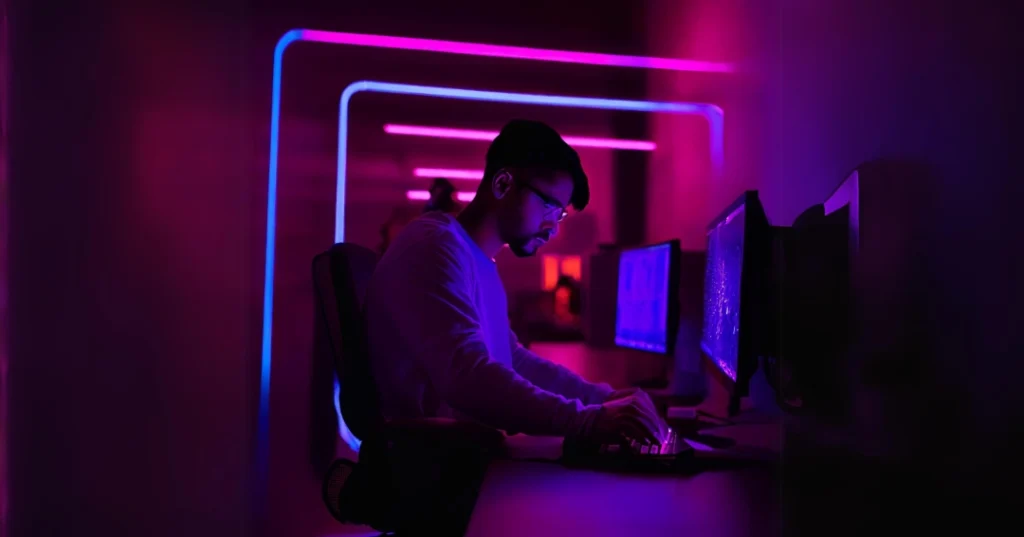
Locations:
{"points": [[487, 136], [426, 45]]}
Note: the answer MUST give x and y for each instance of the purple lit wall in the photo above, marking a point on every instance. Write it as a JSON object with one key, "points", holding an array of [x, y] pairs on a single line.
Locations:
{"points": [[822, 87], [681, 197], [131, 278]]}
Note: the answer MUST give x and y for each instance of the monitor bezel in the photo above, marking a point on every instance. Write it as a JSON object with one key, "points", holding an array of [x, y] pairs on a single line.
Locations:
{"points": [[672, 321]]}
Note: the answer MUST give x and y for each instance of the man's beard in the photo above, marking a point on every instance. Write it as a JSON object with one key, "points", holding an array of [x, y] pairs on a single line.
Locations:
{"points": [[521, 248]]}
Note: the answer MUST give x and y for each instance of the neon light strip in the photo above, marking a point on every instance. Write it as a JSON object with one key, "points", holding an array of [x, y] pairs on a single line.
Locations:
{"points": [[487, 136], [452, 47], [518, 53], [417, 195], [424, 195], [432, 173], [710, 112]]}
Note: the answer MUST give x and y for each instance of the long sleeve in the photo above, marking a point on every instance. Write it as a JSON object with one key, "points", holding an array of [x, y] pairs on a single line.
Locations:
{"points": [[553, 377], [441, 317]]}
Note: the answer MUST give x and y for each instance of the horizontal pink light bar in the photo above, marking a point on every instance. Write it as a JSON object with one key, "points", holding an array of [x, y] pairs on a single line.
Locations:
{"points": [[448, 173], [417, 195], [522, 53], [423, 195], [487, 136]]}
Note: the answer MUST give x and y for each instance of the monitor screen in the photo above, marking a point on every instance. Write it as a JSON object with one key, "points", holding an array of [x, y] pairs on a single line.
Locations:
{"points": [[723, 275], [644, 295]]}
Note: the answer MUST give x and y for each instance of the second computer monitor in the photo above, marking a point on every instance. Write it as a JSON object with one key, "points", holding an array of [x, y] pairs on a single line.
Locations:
{"points": [[647, 304], [738, 256]]}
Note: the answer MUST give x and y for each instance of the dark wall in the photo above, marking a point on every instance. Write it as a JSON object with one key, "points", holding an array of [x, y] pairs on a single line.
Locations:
{"points": [[131, 326]]}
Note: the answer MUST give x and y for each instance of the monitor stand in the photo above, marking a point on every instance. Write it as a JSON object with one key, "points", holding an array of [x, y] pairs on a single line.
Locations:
{"points": [[750, 432], [721, 410]]}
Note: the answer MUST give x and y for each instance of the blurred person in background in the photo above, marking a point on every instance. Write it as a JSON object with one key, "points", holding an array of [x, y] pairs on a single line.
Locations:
{"points": [[442, 198]]}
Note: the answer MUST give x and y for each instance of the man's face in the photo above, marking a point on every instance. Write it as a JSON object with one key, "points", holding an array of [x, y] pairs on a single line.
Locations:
{"points": [[530, 212]]}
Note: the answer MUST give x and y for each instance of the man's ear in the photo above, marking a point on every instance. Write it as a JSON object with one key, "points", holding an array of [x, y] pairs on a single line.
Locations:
{"points": [[501, 184]]}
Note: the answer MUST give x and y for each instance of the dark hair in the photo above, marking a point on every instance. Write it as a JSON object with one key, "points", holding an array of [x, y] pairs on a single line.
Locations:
{"points": [[534, 145]]}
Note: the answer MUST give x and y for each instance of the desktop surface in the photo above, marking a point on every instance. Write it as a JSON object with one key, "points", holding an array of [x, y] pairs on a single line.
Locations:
{"points": [[542, 499]]}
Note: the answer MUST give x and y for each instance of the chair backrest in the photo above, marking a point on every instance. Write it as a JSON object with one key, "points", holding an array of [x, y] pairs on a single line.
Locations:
{"points": [[340, 277]]}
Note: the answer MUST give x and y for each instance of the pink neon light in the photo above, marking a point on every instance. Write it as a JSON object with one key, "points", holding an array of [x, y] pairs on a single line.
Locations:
{"points": [[487, 136], [423, 195], [417, 195], [448, 173], [522, 53]]}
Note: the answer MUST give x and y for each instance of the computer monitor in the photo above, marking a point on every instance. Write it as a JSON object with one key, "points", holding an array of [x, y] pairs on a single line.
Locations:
{"points": [[735, 277], [815, 303], [647, 303]]}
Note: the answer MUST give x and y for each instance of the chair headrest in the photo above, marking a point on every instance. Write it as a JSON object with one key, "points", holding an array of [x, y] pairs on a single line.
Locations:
{"points": [[351, 266], [341, 276]]}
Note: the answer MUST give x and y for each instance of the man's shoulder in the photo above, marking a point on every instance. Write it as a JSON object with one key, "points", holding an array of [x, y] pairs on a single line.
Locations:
{"points": [[427, 236]]}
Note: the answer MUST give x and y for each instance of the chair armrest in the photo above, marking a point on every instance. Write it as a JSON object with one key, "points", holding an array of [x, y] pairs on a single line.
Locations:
{"points": [[443, 432]]}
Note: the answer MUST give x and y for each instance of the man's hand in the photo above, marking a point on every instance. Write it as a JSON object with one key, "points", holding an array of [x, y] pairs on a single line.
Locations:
{"points": [[642, 395], [630, 416]]}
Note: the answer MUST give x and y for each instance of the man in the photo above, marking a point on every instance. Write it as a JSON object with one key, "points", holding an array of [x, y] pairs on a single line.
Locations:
{"points": [[440, 342]]}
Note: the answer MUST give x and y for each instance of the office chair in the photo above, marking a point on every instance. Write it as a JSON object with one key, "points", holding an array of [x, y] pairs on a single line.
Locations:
{"points": [[412, 473]]}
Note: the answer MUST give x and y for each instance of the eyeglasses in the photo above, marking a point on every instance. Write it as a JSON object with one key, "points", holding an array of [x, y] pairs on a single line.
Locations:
{"points": [[551, 205]]}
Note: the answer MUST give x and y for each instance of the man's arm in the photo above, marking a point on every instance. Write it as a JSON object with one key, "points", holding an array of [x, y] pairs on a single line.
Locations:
{"points": [[441, 320], [555, 378]]}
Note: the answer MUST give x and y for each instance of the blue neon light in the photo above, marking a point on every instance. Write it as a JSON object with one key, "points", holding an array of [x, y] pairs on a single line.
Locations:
{"points": [[263, 422]]}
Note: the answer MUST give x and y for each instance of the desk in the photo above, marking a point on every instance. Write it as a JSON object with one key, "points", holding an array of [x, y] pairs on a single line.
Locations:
{"points": [[538, 499], [541, 499], [545, 498], [824, 492]]}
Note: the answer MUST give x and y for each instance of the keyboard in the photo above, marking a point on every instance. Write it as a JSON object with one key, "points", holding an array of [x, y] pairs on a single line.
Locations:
{"points": [[671, 445], [670, 455]]}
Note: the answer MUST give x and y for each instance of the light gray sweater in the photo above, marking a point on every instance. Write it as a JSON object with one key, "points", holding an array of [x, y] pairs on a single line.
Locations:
{"points": [[441, 345]]}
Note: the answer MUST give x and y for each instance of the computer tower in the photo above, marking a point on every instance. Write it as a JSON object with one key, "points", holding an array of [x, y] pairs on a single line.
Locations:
{"points": [[600, 275]]}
